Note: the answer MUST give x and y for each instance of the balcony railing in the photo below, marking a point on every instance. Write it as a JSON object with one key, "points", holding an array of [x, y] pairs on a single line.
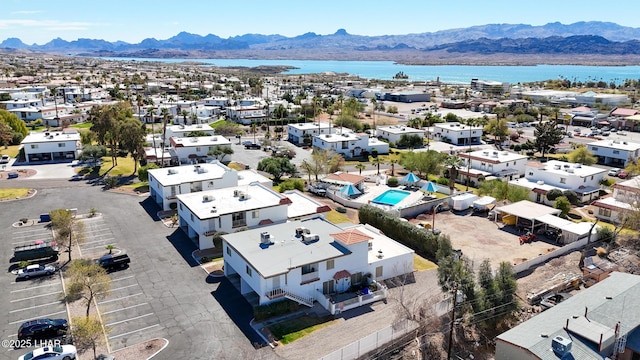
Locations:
{"points": [[210, 232], [309, 277], [238, 223]]}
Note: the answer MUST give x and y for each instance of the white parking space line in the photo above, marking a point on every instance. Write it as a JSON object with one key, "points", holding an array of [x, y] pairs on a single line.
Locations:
{"points": [[97, 241], [129, 319], [32, 287], [97, 247], [132, 332], [36, 296], [34, 307], [125, 308], [122, 278], [120, 288], [29, 231], [121, 298], [38, 317], [35, 238], [91, 233]]}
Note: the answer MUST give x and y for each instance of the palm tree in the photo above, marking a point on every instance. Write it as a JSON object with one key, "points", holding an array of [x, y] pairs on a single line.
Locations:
{"points": [[453, 162], [165, 117], [374, 102], [377, 161], [184, 114], [151, 112], [360, 167]]}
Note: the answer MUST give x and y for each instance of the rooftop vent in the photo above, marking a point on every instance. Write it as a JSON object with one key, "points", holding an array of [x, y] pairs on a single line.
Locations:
{"points": [[309, 238], [214, 210], [301, 231], [577, 166], [624, 143], [557, 167], [236, 193], [244, 196], [380, 254], [570, 171], [561, 345], [485, 153], [207, 198], [265, 238], [172, 171], [540, 182]]}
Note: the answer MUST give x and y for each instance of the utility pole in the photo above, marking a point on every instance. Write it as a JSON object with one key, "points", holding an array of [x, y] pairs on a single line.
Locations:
{"points": [[453, 319]]}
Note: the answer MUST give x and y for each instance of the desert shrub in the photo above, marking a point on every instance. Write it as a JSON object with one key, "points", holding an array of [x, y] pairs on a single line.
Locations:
{"points": [[443, 181], [571, 196], [553, 194], [264, 312], [341, 210], [392, 181], [291, 184]]}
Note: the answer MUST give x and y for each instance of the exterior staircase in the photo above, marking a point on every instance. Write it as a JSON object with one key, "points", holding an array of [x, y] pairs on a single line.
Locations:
{"points": [[275, 293]]}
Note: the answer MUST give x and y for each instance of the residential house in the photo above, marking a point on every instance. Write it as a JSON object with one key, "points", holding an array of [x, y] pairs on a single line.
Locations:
{"points": [[489, 86], [598, 323], [54, 145], [189, 150], [625, 199], [627, 118], [393, 133], [617, 153], [405, 96], [166, 183], [181, 131], [540, 178], [297, 133], [247, 115], [350, 144], [203, 214], [221, 102], [312, 261], [457, 134], [485, 163]]}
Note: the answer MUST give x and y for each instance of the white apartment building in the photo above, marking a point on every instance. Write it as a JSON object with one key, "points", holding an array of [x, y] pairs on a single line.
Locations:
{"points": [[457, 134], [296, 133], [221, 102], [350, 144], [182, 131], [617, 153], [166, 183], [52, 146], [313, 261], [485, 163], [190, 150], [540, 178], [203, 214], [393, 133], [626, 198], [247, 115]]}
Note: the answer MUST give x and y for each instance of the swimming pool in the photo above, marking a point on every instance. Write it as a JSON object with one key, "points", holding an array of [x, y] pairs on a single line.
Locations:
{"points": [[390, 197]]}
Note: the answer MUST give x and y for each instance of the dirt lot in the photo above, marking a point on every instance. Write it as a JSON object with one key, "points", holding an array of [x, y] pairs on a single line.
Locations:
{"points": [[480, 238]]}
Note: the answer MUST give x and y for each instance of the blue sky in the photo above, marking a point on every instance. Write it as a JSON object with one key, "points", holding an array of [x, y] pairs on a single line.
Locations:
{"points": [[39, 21]]}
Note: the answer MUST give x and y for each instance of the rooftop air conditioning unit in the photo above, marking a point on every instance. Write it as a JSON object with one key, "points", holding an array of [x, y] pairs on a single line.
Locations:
{"points": [[265, 238], [540, 182], [172, 171], [570, 171], [207, 198], [561, 345], [380, 254], [557, 167], [307, 238], [244, 196], [485, 153], [302, 230], [214, 138], [236, 193], [577, 166], [624, 143]]}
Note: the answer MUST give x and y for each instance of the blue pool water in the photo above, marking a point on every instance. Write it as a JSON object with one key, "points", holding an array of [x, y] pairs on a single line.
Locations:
{"points": [[390, 197]]}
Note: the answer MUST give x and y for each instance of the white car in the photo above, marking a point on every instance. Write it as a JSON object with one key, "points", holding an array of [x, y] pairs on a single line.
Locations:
{"points": [[63, 352], [35, 271], [614, 172], [5, 159]]}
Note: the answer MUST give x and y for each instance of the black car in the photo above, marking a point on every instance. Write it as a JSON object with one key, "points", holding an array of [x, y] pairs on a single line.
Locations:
{"points": [[252, 146], [42, 329]]}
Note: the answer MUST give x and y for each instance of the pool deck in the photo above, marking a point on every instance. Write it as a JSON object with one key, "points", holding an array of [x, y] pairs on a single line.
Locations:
{"points": [[373, 191]]}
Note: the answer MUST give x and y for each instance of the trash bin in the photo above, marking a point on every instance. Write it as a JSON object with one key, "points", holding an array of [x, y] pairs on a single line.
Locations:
{"points": [[45, 218]]}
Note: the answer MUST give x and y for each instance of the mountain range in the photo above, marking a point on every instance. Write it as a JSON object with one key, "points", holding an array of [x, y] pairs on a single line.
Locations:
{"points": [[590, 39]]}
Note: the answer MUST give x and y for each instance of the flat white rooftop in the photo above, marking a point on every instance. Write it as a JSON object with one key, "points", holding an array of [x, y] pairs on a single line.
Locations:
{"points": [[564, 168], [616, 144], [214, 203], [333, 138], [399, 129], [493, 156], [199, 141], [51, 136], [189, 173], [189, 128], [311, 126]]}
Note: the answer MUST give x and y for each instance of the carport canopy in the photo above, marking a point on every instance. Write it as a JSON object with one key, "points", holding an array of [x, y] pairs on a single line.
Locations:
{"points": [[554, 221], [529, 210]]}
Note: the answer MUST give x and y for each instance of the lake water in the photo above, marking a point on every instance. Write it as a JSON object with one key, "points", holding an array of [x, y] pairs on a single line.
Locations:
{"points": [[385, 70]]}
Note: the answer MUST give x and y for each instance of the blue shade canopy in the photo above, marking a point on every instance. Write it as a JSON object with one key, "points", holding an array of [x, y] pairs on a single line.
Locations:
{"points": [[430, 187], [410, 178], [350, 190]]}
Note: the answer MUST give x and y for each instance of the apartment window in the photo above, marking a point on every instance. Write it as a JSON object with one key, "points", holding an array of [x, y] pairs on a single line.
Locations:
{"points": [[255, 214], [604, 212], [591, 177], [173, 190], [594, 148], [248, 270], [530, 173], [563, 180], [62, 144], [238, 219], [483, 164], [180, 206], [584, 180], [191, 217], [198, 149], [330, 264], [228, 251], [378, 271], [306, 269], [34, 146], [514, 163]]}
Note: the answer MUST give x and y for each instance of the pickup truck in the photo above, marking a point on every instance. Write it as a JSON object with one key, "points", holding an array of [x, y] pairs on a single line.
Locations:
{"points": [[39, 250], [112, 262]]}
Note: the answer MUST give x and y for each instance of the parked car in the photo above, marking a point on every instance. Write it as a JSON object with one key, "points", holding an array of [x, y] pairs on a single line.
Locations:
{"points": [[112, 262], [38, 250], [614, 172], [32, 271], [247, 142], [252, 146], [42, 329], [623, 175], [613, 130], [5, 159], [63, 352]]}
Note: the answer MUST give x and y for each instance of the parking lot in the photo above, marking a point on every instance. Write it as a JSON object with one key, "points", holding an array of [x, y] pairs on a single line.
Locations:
{"points": [[163, 293], [27, 299]]}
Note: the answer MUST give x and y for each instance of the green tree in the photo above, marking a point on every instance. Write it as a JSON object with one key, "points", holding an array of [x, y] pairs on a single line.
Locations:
{"points": [[88, 333], [68, 230], [497, 128], [424, 162], [197, 133], [219, 152], [553, 194], [87, 137], [501, 190], [89, 281], [547, 136], [6, 135], [132, 139], [563, 204], [143, 171], [582, 155], [277, 167], [16, 124], [409, 141]]}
